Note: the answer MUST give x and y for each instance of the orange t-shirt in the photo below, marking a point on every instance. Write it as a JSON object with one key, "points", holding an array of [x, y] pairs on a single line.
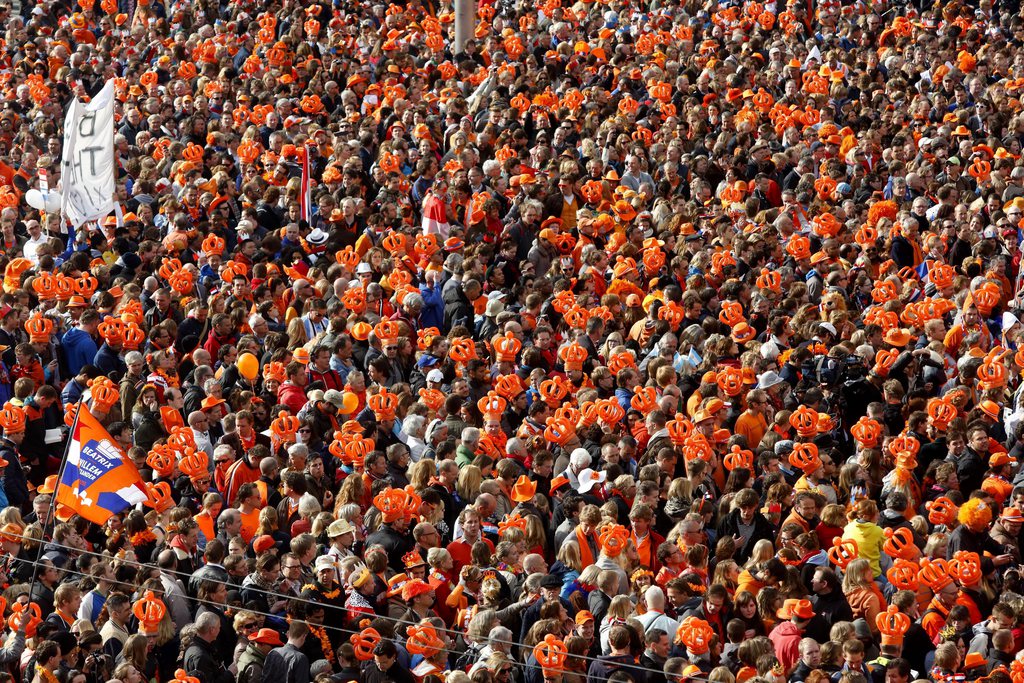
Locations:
{"points": [[752, 427], [250, 523]]}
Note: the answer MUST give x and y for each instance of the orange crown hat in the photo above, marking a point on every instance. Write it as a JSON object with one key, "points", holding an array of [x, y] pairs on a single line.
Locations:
{"points": [[843, 552], [555, 391], [934, 574], [12, 419], [150, 611], [391, 503], [644, 400], [805, 457], [893, 625], [551, 654], [413, 559], [804, 421], [696, 635], [462, 350], [621, 361], [160, 498], [285, 427], [965, 567], [899, 543], [613, 539], [161, 460], [941, 411], [181, 437], [559, 431], [903, 574], [423, 640], [867, 432], [509, 387], [383, 404], [364, 642], [39, 328], [194, 465], [432, 399], [274, 371], [507, 348], [512, 521], [524, 490], [738, 457], [492, 406], [32, 613], [104, 394], [573, 356], [941, 511]]}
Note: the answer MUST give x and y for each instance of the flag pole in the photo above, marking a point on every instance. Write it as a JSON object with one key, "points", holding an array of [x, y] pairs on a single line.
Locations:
{"points": [[51, 522]]}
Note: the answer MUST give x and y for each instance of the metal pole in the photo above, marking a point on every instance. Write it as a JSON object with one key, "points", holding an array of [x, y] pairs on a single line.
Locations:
{"points": [[51, 521], [465, 13]]}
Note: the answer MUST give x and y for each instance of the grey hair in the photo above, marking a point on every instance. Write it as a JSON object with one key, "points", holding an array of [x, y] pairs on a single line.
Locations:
{"points": [[348, 511], [308, 506], [133, 357], [206, 622], [414, 424]]}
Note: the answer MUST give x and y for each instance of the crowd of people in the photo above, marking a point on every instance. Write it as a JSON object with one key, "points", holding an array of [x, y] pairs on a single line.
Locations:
{"points": [[659, 342]]}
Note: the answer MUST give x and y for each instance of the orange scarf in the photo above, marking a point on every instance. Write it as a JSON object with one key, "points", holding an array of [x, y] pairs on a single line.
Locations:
{"points": [[586, 554]]}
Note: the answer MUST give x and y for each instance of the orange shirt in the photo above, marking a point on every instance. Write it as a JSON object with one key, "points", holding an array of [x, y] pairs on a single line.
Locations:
{"points": [[754, 427], [250, 523]]}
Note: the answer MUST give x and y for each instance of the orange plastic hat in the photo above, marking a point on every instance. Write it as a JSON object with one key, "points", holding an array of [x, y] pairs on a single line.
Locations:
{"points": [[843, 552], [941, 511], [364, 642], [551, 654], [899, 543], [893, 625]]}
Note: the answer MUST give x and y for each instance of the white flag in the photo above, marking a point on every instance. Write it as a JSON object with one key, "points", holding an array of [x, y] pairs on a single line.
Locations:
{"points": [[88, 165]]}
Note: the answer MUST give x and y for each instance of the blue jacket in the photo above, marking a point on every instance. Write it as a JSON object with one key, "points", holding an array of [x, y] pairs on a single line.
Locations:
{"points": [[72, 392], [108, 360], [79, 349], [432, 314]]}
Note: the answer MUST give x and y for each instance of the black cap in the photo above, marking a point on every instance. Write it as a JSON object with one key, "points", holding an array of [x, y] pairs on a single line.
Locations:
{"points": [[551, 581]]}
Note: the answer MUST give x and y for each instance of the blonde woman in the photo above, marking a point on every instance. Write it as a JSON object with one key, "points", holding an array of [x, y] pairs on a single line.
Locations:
{"points": [[420, 474], [534, 535], [620, 609], [862, 593], [469, 482]]}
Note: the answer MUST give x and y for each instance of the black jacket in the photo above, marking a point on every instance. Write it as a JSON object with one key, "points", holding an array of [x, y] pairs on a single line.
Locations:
{"points": [[730, 526], [832, 607], [394, 543], [15, 482], [203, 661], [227, 638], [286, 665], [396, 674], [458, 309], [603, 667]]}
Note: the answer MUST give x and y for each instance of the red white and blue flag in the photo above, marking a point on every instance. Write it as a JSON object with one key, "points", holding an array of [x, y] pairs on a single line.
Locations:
{"points": [[98, 479]]}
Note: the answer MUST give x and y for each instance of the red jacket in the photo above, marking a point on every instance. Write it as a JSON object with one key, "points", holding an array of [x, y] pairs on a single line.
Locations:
{"points": [[292, 396]]}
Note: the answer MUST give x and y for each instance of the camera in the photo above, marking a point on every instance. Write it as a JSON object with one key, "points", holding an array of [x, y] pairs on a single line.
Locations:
{"points": [[828, 371]]}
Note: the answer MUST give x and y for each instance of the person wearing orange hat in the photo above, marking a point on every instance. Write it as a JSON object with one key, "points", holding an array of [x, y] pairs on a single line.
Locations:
{"points": [[1006, 531], [1000, 475], [15, 486]]}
